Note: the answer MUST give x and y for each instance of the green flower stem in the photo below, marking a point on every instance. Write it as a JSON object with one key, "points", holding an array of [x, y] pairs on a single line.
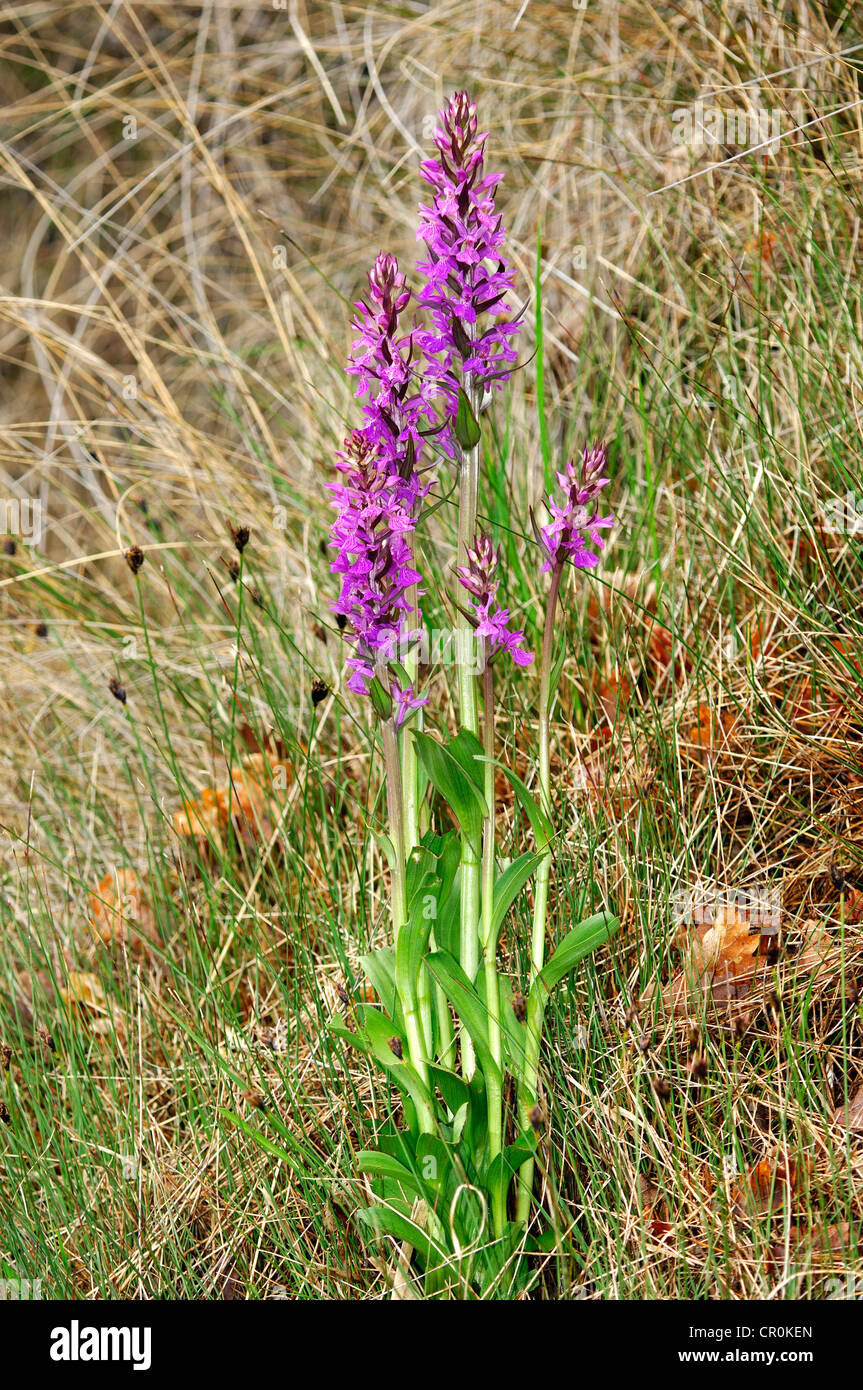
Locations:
{"points": [[413, 1022], [469, 716], [410, 777], [494, 1094], [410, 802], [536, 1006]]}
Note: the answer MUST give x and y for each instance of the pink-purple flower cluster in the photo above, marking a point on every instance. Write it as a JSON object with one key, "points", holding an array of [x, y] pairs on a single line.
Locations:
{"points": [[371, 536], [466, 275], [397, 401], [479, 578], [574, 519]]}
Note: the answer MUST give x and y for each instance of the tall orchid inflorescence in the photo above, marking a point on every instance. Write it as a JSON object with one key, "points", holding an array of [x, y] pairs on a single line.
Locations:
{"points": [[372, 535], [466, 276], [423, 388], [490, 622], [573, 520], [397, 402]]}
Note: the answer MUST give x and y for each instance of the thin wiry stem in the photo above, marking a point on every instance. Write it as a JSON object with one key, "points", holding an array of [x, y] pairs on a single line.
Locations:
{"points": [[528, 1087]]}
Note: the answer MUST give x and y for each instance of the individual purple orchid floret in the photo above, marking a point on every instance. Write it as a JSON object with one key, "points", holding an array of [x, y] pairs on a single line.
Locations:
{"points": [[574, 520], [371, 537], [397, 402], [466, 275], [478, 577]]}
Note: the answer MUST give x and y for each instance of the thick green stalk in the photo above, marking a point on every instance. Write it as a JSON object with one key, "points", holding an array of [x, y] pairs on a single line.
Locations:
{"points": [[533, 1034], [469, 717], [494, 1094], [410, 779], [417, 1052], [410, 803]]}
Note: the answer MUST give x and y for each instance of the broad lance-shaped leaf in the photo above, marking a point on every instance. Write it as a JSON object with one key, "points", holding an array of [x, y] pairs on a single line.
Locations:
{"points": [[379, 968], [509, 884], [539, 821], [512, 1031], [468, 1005], [457, 786], [466, 748], [577, 944], [384, 1165], [421, 865], [504, 1166], [388, 1221], [413, 938], [376, 1033]]}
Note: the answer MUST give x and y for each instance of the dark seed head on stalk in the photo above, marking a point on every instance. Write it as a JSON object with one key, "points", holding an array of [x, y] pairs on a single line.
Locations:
{"points": [[233, 567], [117, 690], [46, 1038], [396, 1047], [535, 1118], [519, 1006], [240, 536], [698, 1067], [134, 558], [662, 1088], [5, 1117], [320, 691], [5, 1057], [341, 622], [837, 874], [41, 629], [9, 547]]}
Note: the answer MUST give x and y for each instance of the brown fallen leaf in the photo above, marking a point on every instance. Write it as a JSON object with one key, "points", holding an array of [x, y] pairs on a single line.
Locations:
{"points": [[815, 1247], [850, 1116], [249, 802], [711, 734], [768, 1186], [729, 964], [814, 949], [84, 995], [120, 912], [722, 961]]}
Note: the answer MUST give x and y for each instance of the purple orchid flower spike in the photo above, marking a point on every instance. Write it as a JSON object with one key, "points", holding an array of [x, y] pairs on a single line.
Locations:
{"points": [[466, 275], [371, 534], [573, 519], [479, 578], [397, 403]]}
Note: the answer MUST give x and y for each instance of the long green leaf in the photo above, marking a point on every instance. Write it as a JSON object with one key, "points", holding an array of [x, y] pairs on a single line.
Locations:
{"points": [[467, 1004], [457, 786], [539, 821], [578, 943], [507, 888]]}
